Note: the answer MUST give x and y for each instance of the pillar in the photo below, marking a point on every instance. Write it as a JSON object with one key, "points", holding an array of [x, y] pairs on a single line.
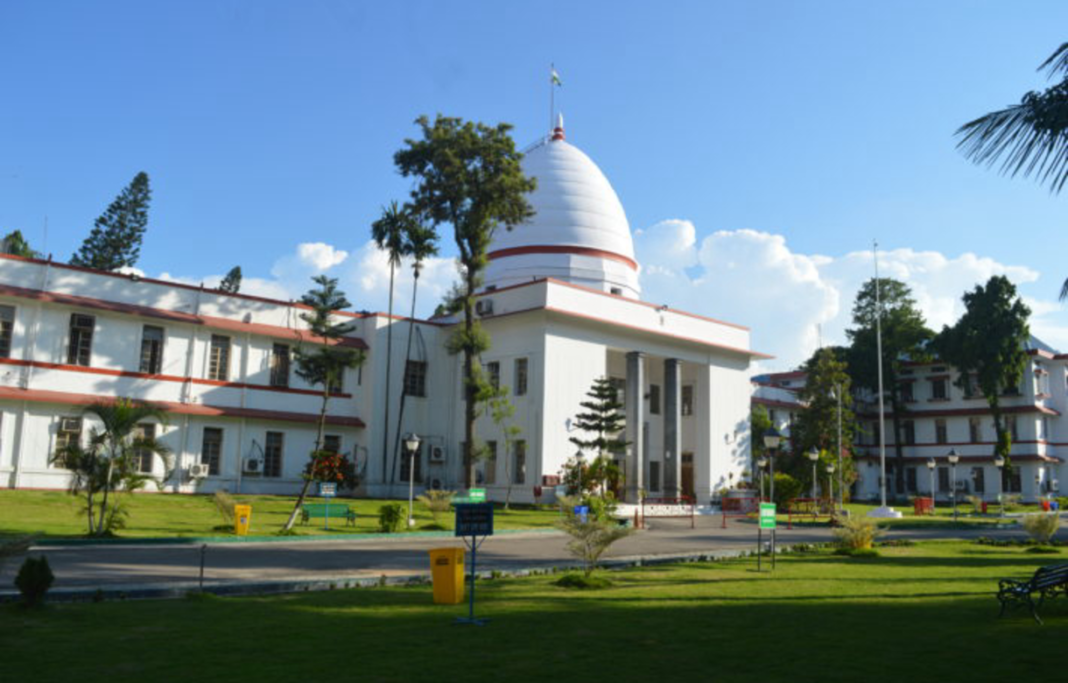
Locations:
{"points": [[672, 464], [635, 414]]}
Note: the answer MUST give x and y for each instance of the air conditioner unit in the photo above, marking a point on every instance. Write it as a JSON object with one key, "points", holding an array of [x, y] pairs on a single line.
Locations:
{"points": [[437, 454], [253, 465], [199, 470], [70, 424], [484, 307]]}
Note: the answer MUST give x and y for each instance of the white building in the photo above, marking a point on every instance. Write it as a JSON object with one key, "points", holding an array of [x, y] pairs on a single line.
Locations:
{"points": [[561, 303]]}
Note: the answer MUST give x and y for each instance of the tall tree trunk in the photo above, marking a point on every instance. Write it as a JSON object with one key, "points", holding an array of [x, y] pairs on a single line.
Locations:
{"points": [[469, 382], [407, 357], [389, 359], [318, 444], [104, 500]]}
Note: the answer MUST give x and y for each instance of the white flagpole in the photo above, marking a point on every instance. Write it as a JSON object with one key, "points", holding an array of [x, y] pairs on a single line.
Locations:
{"points": [[552, 96]]}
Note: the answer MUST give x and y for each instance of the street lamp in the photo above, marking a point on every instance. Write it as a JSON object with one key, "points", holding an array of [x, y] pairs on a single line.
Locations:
{"points": [[772, 437], [953, 459], [411, 442], [830, 485], [814, 456], [761, 463], [931, 470], [999, 462]]}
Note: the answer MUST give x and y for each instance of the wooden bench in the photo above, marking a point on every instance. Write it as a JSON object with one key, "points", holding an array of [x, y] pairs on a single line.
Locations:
{"points": [[1048, 582], [813, 508], [327, 510]]}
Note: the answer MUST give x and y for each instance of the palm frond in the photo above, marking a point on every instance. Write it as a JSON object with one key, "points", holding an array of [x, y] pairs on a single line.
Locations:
{"points": [[1064, 290], [1057, 63]]}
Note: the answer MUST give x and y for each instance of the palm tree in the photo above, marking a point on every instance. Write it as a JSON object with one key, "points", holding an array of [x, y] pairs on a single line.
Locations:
{"points": [[1030, 137], [422, 244], [111, 461], [390, 234]]}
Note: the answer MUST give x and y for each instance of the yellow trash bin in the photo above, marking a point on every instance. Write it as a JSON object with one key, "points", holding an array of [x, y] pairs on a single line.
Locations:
{"points": [[447, 572], [242, 519]]}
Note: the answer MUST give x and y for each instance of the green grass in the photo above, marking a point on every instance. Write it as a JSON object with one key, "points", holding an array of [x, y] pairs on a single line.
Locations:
{"points": [[924, 612], [56, 514], [943, 517]]}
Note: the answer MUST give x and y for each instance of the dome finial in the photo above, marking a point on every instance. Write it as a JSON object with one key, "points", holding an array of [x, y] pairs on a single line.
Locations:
{"points": [[558, 132]]}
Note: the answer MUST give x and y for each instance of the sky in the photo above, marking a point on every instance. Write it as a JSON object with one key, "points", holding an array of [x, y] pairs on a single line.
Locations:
{"points": [[759, 148]]}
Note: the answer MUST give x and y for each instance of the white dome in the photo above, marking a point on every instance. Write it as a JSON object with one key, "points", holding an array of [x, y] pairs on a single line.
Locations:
{"points": [[579, 232]]}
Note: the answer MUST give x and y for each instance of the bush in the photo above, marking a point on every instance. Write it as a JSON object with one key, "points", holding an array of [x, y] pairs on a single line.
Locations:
{"points": [[391, 518], [977, 503], [786, 489], [857, 533], [437, 503], [1043, 550], [33, 581], [1041, 526], [225, 503], [583, 582], [590, 539]]}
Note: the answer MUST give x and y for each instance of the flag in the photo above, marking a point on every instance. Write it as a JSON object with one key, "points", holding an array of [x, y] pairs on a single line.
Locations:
{"points": [[555, 78]]}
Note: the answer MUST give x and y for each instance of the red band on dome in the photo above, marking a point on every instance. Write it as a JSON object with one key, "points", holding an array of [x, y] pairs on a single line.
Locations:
{"points": [[577, 251]]}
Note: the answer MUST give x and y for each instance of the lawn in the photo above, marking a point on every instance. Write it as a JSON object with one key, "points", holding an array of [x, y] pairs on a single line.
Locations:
{"points": [[58, 515], [924, 612], [943, 517]]}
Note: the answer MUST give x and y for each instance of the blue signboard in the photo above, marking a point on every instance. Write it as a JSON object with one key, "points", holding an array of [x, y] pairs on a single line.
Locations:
{"points": [[474, 519], [583, 513], [327, 490]]}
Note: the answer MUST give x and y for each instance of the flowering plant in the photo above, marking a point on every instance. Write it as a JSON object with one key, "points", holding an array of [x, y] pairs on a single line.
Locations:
{"points": [[328, 466]]}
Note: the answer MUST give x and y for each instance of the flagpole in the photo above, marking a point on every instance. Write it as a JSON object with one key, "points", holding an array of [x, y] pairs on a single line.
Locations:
{"points": [[552, 96]]}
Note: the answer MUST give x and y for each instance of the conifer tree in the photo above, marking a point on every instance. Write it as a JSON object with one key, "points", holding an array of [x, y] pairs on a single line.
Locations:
{"points": [[231, 284], [115, 240], [603, 423]]}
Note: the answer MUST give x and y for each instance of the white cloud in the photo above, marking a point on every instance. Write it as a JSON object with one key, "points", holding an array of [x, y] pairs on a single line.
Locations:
{"points": [[791, 300]]}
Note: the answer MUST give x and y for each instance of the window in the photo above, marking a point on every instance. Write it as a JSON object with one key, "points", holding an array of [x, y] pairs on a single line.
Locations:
{"points": [[219, 360], [80, 348], [971, 386], [906, 392], [69, 432], [520, 469], [407, 461], [687, 400], [620, 385], [7, 328], [941, 436], [910, 479], [938, 389], [280, 355], [654, 475], [147, 432], [975, 430], [332, 443], [493, 371], [908, 429], [1014, 429], [151, 349], [336, 383], [211, 450], [272, 454], [415, 378], [654, 399], [1010, 481], [520, 376], [491, 462], [943, 478], [978, 479]]}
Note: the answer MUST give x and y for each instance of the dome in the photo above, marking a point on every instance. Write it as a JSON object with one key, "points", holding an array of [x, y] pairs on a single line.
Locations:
{"points": [[579, 232]]}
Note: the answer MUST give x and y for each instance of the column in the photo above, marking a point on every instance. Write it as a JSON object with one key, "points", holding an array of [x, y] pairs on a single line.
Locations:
{"points": [[635, 414], [672, 465]]}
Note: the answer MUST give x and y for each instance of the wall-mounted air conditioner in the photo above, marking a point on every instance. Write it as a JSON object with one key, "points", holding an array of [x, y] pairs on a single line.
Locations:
{"points": [[437, 454], [484, 307], [199, 470], [253, 466]]}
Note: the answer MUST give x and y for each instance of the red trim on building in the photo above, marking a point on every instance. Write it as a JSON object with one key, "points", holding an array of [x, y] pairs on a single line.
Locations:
{"points": [[563, 249], [65, 398], [163, 378]]}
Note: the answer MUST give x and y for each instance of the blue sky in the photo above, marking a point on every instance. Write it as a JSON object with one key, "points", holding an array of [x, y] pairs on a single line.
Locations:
{"points": [[817, 126]]}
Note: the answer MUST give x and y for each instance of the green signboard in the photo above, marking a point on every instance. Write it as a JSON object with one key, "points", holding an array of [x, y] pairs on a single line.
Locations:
{"points": [[767, 515], [476, 495]]}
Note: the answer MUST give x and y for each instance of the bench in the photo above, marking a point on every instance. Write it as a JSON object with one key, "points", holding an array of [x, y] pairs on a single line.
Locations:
{"points": [[321, 510], [1047, 582], [813, 508]]}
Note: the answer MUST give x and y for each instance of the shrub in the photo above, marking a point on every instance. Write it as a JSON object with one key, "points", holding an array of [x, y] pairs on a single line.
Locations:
{"points": [[857, 533], [977, 503], [225, 503], [1011, 501], [1041, 526], [1043, 550], [391, 518], [590, 539], [437, 503], [34, 579], [582, 582], [786, 489]]}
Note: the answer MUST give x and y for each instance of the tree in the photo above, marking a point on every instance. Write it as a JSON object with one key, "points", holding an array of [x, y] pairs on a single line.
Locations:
{"points": [[421, 244], [817, 422], [111, 462], [905, 338], [502, 410], [115, 240], [323, 365], [603, 422], [590, 538], [16, 245], [989, 342], [231, 284], [469, 178], [759, 424]]}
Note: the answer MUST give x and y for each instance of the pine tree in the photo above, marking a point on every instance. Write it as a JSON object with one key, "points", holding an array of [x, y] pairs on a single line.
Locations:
{"points": [[115, 240], [231, 284], [603, 423]]}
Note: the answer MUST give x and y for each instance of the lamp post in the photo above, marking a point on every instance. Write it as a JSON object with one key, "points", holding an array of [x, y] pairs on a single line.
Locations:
{"points": [[814, 456], [953, 459], [999, 462], [772, 437], [411, 442], [830, 484], [931, 470], [761, 463]]}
